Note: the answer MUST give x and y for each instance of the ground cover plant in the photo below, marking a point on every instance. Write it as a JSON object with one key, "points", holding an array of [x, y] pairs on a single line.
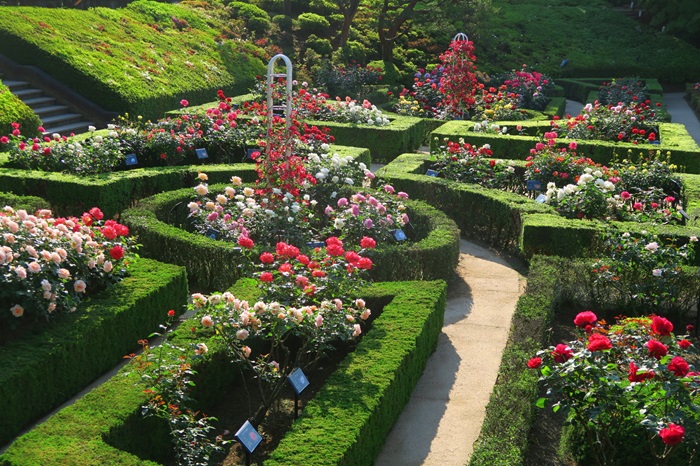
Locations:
{"points": [[141, 59]]}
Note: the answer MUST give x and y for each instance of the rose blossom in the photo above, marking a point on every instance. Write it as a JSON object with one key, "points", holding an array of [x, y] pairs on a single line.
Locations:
{"points": [[534, 363], [656, 349], [17, 310], [207, 322], [357, 330], [562, 353], [242, 334], [685, 344], [661, 326], [679, 366], [79, 286], [633, 376], [598, 342], [673, 434], [63, 273], [585, 318]]}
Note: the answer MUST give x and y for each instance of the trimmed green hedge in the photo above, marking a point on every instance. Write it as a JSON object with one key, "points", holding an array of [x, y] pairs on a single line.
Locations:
{"points": [[45, 368], [356, 408], [213, 264], [674, 139], [511, 410], [517, 223], [141, 59], [13, 110], [579, 89], [114, 192], [29, 203], [693, 97]]}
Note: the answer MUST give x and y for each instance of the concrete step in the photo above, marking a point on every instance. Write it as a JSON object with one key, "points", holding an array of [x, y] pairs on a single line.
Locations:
{"points": [[67, 129], [28, 93], [50, 110], [61, 119], [16, 85], [37, 102]]}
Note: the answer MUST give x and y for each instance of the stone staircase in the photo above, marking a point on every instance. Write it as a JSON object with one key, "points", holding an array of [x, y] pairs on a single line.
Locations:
{"points": [[55, 117]]}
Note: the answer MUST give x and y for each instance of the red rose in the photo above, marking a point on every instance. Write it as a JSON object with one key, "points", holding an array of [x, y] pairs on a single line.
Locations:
{"points": [[171, 313], [97, 213], [245, 242], [534, 363], [335, 250], [318, 273], [679, 366], [636, 377], [672, 435], [368, 243], [87, 219], [598, 342], [109, 232], [661, 326], [303, 259], [585, 318], [364, 263], [352, 257], [562, 353], [685, 344], [285, 268], [302, 281], [117, 252], [266, 277], [267, 258], [122, 230], [656, 349]]}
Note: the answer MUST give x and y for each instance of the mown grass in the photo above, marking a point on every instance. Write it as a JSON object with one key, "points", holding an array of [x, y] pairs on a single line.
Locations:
{"points": [[597, 41], [141, 59]]}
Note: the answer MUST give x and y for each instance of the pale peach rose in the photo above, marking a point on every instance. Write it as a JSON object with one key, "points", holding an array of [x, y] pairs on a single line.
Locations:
{"points": [[45, 285], [17, 310], [31, 251], [201, 349], [34, 267], [236, 180], [202, 176], [56, 258], [52, 307], [365, 314], [319, 320], [21, 272], [357, 331], [207, 322], [63, 273], [79, 286], [201, 189], [350, 318], [360, 303], [107, 267], [246, 351], [242, 334], [9, 238]]}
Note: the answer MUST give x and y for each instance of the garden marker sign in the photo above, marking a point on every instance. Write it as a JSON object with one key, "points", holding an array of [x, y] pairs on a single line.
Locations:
{"points": [[249, 438], [271, 75]]}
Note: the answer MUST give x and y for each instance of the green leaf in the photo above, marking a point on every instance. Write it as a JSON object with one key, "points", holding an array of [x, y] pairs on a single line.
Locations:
{"points": [[540, 402]]}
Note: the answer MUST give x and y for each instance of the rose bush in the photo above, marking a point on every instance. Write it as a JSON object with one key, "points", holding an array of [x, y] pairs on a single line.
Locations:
{"points": [[627, 400], [47, 264]]}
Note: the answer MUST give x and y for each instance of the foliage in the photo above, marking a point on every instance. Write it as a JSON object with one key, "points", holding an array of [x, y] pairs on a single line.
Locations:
{"points": [[636, 123], [677, 17], [346, 80], [623, 383], [13, 110], [642, 272], [468, 164], [167, 373], [626, 91], [49, 264]]}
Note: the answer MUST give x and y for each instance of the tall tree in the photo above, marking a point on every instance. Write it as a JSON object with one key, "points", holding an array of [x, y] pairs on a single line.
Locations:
{"points": [[394, 22], [348, 8]]}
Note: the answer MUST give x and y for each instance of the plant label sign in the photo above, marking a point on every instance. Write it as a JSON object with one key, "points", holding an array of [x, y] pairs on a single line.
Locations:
{"points": [[248, 436], [212, 233], [533, 185], [298, 380], [541, 198], [316, 244], [131, 160], [399, 235], [201, 154], [432, 173]]}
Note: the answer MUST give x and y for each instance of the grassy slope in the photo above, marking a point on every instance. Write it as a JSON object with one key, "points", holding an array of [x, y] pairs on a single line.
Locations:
{"points": [[597, 42], [122, 57]]}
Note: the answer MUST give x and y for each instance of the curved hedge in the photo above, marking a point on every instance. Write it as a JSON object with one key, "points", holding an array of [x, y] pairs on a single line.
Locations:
{"points": [[114, 192], [517, 223], [350, 416], [29, 203], [214, 264], [45, 368], [13, 110]]}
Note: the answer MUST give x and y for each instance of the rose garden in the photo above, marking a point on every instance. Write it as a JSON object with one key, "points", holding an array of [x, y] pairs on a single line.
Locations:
{"points": [[269, 259]]}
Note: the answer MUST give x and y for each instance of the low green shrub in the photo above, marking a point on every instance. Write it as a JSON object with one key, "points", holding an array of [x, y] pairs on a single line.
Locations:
{"points": [[161, 223], [102, 425], [29, 203], [45, 368], [13, 110]]}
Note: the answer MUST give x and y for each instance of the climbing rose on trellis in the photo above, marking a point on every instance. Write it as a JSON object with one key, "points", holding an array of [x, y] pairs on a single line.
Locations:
{"points": [[459, 84]]}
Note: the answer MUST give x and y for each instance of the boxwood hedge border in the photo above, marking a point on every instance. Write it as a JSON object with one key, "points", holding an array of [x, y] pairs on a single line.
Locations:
{"points": [[44, 369], [345, 423], [214, 264], [117, 191], [517, 223], [674, 139]]}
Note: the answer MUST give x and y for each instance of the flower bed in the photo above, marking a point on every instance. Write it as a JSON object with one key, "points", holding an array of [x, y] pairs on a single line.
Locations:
{"points": [[511, 410], [579, 89], [514, 222], [98, 426], [159, 224], [674, 138], [114, 192], [82, 345]]}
